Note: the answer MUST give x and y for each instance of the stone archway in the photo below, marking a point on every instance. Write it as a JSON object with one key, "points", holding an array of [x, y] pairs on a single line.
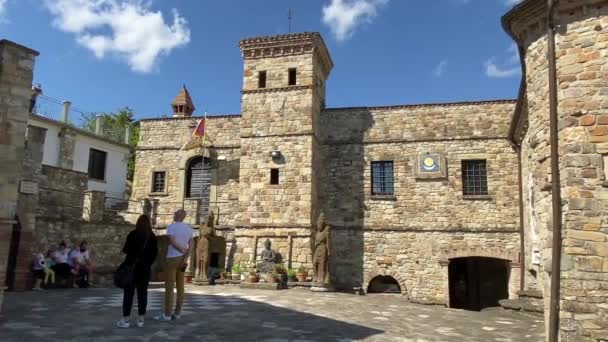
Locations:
{"points": [[370, 274], [510, 256]]}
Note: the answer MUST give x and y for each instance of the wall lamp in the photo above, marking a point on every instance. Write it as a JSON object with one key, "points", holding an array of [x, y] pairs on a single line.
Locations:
{"points": [[275, 154]]}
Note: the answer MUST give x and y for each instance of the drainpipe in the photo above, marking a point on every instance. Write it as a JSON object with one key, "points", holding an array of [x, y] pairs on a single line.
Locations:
{"points": [[555, 178], [522, 237]]}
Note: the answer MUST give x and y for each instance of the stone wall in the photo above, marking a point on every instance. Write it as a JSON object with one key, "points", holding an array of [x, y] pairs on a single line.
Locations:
{"points": [[62, 192], [105, 240], [16, 74], [380, 235], [582, 41]]}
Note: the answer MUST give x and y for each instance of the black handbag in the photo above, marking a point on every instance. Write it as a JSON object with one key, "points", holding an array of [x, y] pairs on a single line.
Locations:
{"points": [[125, 274]]}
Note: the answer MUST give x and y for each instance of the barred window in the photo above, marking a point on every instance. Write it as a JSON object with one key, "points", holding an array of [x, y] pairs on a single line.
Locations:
{"points": [[382, 178], [474, 177], [158, 181]]}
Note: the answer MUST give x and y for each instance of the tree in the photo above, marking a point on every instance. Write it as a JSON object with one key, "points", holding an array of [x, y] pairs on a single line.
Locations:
{"points": [[114, 126]]}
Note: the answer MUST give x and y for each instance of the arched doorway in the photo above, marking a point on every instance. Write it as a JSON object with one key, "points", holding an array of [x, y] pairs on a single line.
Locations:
{"points": [[384, 284], [477, 283], [198, 182]]}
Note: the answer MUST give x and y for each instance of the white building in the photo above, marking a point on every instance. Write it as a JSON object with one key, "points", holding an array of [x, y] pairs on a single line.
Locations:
{"points": [[104, 160]]}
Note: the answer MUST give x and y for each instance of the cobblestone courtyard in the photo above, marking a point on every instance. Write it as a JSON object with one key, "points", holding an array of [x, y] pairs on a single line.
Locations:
{"points": [[227, 313]]}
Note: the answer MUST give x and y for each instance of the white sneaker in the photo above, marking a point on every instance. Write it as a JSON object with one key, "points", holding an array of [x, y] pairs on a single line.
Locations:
{"points": [[123, 323], [162, 318], [175, 317], [140, 322]]}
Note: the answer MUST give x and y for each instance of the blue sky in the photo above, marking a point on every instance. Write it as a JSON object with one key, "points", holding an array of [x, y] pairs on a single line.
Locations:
{"points": [[107, 54]]}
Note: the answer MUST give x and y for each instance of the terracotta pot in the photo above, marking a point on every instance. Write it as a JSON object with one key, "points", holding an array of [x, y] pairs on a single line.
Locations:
{"points": [[271, 278], [301, 276], [253, 279]]}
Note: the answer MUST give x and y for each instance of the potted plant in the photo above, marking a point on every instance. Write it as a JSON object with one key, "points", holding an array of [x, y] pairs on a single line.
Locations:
{"points": [[236, 271], [302, 274], [253, 276], [291, 275]]}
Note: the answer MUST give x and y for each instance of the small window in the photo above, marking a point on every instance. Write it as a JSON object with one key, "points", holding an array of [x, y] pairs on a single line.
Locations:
{"points": [[382, 178], [293, 76], [474, 178], [274, 176], [262, 79], [158, 181], [97, 164]]}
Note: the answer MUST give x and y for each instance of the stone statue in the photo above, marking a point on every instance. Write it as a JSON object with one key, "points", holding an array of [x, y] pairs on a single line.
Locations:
{"points": [[321, 253], [269, 258], [202, 248]]}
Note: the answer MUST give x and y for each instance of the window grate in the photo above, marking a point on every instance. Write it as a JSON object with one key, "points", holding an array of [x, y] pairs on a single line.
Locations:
{"points": [[158, 182], [382, 178], [474, 178]]}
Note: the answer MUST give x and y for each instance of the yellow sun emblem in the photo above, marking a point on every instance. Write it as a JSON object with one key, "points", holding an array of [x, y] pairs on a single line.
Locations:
{"points": [[428, 162]]}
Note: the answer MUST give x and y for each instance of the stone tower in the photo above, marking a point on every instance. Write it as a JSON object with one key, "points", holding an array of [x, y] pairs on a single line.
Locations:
{"points": [[282, 97], [582, 79], [182, 105]]}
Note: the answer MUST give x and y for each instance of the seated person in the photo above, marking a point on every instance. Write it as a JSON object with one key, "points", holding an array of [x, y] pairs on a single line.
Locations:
{"points": [[60, 257], [80, 262], [49, 274], [38, 267]]}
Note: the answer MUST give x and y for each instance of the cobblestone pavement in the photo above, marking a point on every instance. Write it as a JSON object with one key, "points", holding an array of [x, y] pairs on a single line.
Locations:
{"points": [[228, 313]]}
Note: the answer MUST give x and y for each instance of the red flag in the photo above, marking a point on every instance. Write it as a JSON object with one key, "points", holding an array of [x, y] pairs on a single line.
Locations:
{"points": [[200, 129]]}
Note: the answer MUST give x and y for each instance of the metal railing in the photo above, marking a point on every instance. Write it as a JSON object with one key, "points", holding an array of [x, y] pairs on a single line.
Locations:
{"points": [[63, 111]]}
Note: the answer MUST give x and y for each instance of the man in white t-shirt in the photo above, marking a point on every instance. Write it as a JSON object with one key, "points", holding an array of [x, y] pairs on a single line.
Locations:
{"points": [[180, 245]]}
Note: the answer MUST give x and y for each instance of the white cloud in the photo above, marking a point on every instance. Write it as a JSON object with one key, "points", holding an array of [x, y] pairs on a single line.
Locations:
{"points": [[494, 71], [129, 29], [2, 10], [440, 68], [511, 67], [344, 16]]}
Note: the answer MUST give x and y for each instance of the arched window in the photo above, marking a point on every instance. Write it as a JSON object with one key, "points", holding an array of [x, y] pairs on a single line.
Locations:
{"points": [[198, 178]]}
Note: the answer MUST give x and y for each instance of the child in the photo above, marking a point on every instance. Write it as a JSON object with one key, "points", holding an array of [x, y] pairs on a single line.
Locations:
{"points": [[38, 268], [49, 274]]}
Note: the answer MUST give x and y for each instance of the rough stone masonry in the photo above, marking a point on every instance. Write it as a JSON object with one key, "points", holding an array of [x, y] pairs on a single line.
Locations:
{"points": [[286, 158]]}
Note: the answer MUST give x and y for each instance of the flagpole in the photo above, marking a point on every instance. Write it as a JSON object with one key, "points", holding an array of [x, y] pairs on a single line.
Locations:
{"points": [[203, 161]]}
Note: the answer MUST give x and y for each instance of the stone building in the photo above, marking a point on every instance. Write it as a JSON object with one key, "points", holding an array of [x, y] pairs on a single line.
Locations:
{"points": [[582, 78], [418, 196]]}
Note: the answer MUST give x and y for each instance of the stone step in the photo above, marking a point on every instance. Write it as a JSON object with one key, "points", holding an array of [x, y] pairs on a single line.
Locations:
{"points": [[530, 294], [523, 304]]}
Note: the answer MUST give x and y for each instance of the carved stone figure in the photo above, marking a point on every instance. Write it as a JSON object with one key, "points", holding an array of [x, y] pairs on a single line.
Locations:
{"points": [[321, 253], [268, 258], [202, 248]]}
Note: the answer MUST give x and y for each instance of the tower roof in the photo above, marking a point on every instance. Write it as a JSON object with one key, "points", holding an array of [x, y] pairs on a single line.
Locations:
{"points": [[182, 104], [183, 98]]}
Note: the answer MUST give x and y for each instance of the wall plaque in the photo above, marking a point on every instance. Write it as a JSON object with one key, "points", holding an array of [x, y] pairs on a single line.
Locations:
{"points": [[431, 165], [29, 188]]}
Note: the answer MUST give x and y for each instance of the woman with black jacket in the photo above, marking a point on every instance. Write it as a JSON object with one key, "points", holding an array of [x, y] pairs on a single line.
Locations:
{"points": [[141, 249]]}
